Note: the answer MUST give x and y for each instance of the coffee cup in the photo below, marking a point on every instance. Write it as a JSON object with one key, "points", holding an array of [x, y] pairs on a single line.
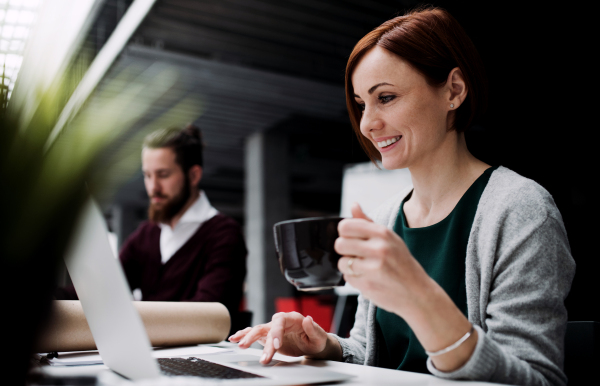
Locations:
{"points": [[305, 249]]}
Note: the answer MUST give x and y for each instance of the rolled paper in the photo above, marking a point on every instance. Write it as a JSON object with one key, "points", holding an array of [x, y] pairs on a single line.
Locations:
{"points": [[184, 323], [66, 330], [167, 324]]}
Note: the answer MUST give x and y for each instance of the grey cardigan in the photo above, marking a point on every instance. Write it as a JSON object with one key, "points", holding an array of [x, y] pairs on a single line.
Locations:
{"points": [[518, 273]]}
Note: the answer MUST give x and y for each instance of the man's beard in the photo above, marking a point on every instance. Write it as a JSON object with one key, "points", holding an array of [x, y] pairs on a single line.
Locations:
{"points": [[165, 212]]}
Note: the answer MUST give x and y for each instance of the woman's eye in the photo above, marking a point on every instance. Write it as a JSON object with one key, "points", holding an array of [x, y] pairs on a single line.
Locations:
{"points": [[386, 98], [361, 107]]}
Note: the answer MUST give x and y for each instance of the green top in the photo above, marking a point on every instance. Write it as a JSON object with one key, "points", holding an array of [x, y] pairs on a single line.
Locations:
{"points": [[441, 250]]}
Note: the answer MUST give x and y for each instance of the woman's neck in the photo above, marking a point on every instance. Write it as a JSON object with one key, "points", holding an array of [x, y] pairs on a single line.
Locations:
{"points": [[441, 180]]}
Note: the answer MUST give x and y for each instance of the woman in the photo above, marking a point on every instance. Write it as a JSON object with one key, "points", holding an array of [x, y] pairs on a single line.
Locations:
{"points": [[465, 273]]}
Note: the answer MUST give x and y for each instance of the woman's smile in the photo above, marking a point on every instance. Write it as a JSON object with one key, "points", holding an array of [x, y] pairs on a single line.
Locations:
{"points": [[385, 144]]}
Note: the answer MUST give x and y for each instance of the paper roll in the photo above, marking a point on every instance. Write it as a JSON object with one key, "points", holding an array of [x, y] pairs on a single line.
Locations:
{"points": [[167, 324]]}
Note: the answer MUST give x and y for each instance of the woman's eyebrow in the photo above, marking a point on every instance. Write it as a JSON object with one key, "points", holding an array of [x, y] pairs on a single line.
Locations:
{"points": [[377, 85], [375, 88]]}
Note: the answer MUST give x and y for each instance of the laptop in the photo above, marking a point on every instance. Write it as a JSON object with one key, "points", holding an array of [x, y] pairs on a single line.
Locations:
{"points": [[121, 337]]}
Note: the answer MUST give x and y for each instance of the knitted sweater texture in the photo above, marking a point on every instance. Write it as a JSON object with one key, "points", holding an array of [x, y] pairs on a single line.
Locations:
{"points": [[519, 271]]}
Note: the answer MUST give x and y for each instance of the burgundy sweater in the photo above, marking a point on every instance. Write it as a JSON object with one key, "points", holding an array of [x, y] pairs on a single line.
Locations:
{"points": [[209, 267]]}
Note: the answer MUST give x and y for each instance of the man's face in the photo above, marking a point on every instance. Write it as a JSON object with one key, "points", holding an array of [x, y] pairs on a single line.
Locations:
{"points": [[166, 184]]}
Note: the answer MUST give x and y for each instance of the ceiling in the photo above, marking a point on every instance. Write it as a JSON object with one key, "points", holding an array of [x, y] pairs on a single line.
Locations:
{"points": [[247, 66], [306, 38]]}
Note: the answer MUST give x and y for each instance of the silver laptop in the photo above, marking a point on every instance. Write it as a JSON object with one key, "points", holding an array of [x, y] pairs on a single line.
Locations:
{"points": [[120, 334]]}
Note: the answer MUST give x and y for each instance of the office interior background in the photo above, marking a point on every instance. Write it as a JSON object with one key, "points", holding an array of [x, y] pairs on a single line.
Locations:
{"points": [[264, 80]]}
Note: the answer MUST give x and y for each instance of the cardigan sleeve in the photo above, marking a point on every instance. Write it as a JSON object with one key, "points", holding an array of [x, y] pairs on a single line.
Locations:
{"points": [[522, 275], [354, 347]]}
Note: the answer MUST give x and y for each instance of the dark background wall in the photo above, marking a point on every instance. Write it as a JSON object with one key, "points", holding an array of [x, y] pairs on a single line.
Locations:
{"points": [[542, 119]]}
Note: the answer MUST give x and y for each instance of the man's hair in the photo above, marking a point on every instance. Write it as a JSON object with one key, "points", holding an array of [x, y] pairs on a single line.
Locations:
{"points": [[186, 143], [434, 43]]}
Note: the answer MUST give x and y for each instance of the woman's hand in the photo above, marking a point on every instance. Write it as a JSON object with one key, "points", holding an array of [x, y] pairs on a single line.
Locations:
{"points": [[289, 334], [376, 261], [385, 272]]}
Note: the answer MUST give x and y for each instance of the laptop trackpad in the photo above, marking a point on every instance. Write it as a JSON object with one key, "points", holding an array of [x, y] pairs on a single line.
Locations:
{"points": [[238, 359]]}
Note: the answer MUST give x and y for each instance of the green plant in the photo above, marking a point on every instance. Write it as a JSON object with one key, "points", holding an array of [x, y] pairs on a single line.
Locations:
{"points": [[46, 179]]}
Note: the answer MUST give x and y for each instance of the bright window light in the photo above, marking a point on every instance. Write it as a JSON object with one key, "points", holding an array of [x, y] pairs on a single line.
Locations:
{"points": [[12, 16], [16, 20], [26, 17]]}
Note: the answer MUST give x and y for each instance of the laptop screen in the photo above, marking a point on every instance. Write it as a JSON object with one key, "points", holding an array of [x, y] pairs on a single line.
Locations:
{"points": [[106, 300]]}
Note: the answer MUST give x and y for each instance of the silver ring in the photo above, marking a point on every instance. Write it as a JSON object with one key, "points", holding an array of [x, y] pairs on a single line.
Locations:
{"points": [[350, 271]]}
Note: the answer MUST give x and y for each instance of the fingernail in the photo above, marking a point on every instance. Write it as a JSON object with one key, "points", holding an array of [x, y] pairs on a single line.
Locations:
{"points": [[243, 341], [263, 357], [276, 343]]}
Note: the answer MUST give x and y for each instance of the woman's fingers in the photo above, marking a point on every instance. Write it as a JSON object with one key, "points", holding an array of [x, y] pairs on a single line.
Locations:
{"points": [[360, 228], [268, 351], [315, 338], [352, 247], [255, 334], [353, 267], [357, 212], [313, 331], [279, 323], [309, 338], [239, 335]]}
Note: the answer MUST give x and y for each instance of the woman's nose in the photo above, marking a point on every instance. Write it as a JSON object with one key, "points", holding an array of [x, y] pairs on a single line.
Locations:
{"points": [[370, 122]]}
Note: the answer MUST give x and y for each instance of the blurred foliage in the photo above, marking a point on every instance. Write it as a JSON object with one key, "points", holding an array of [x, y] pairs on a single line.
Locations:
{"points": [[46, 178], [42, 176]]}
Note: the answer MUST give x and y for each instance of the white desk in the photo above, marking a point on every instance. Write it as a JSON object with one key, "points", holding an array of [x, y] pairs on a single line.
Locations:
{"points": [[364, 375]]}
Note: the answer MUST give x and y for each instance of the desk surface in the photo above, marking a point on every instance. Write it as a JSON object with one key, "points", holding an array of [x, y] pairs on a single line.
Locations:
{"points": [[364, 375]]}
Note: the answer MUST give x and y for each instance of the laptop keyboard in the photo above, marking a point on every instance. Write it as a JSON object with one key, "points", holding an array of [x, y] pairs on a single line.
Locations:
{"points": [[200, 368]]}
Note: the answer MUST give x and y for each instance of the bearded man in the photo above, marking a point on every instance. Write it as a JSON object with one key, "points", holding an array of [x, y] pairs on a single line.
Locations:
{"points": [[187, 251]]}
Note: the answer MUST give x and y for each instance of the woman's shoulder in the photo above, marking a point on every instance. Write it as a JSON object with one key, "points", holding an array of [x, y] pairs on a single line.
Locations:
{"points": [[510, 195]]}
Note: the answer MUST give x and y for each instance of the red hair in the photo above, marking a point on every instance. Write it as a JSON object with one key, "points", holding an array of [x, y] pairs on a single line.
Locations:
{"points": [[434, 43]]}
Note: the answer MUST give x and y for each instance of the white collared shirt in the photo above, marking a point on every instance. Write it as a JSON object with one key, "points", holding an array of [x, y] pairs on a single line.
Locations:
{"points": [[171, 239]]}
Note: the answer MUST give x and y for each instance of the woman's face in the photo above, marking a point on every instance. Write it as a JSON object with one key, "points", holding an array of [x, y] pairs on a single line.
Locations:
{"points": [[405, 118]]}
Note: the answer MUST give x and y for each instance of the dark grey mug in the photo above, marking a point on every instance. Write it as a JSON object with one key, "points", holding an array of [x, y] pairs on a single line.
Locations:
{"points": [[306, 254]]}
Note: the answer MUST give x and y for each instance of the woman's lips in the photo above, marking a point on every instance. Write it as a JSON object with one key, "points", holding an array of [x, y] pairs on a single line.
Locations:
{"points": [[385, 148], [386, 141]]}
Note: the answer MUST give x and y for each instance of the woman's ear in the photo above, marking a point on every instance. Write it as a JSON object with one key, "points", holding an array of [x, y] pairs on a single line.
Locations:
{"points": [[457, 88], [195, 175]]}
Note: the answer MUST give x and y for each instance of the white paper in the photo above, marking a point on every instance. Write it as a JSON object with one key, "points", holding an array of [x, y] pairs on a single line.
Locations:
{"points": [[86, 358], [76, 358]]}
